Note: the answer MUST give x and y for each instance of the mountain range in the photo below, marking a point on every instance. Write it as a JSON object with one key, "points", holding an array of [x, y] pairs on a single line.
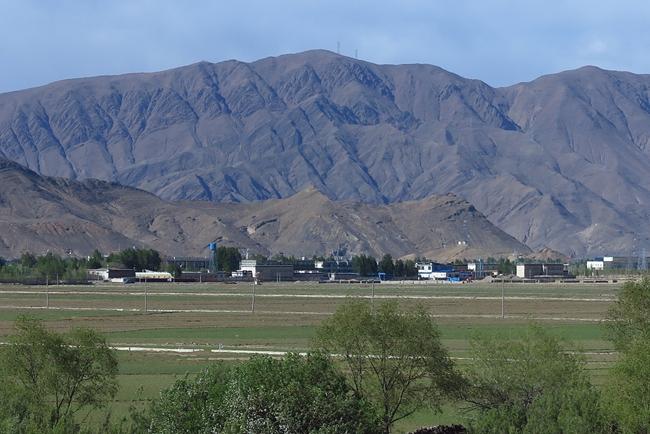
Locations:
{"points": [[40, 214], [560, 162]]}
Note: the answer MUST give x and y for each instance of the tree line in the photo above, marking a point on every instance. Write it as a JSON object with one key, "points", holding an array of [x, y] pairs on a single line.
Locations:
{"points": [[389, 363], [51, 266]]}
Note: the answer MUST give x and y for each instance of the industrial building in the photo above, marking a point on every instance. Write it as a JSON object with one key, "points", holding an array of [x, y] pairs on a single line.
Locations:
{"points": [[434, 270], [541, 270], [265, 271], [481, 269], [333, 266], [601, 263]]}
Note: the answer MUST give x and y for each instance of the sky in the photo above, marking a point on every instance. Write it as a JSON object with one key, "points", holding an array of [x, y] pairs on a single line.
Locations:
{"points": [[500, 42]]}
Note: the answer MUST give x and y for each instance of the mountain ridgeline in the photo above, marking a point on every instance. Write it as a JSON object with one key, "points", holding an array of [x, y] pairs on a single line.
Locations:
{"points": [[559, 162]]}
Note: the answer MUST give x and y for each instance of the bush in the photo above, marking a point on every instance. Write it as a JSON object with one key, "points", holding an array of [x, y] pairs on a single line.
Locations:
{"points": [[531, 386], [266, 396]]}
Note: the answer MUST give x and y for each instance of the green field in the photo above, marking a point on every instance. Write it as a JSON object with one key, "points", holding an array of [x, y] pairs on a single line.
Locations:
{"points": [[210, 317]]}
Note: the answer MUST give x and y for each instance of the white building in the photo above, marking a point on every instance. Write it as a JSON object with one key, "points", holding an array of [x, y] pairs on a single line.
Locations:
{"points": [[108, 274], [595, 265], [433, 270], [266, 272], [601, 263]]}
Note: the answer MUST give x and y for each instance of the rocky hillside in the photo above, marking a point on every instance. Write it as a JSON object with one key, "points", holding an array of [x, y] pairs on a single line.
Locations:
{"points": [[560, 162], [39, 213]]}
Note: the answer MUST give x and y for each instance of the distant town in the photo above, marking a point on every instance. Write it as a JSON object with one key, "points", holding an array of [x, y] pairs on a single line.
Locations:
{"points": [[230, 264]]}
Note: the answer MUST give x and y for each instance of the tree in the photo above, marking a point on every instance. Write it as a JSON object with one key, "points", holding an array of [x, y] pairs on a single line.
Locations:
{"points": [[386, 265], [96, 260], [629, 329], [364, 265], [54, 376], [28, 260], [505, 266], [175, 270], [395, 359], [295, 394], [400, 268], [629, 317], [410, 268], [628, 391], [228, 258], [531, 386], [50, 265], [193, 405], [139, 259]]}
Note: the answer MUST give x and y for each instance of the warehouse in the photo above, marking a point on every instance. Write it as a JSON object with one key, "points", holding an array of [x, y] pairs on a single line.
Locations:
{"points": [[266, 271], [542, 270]]}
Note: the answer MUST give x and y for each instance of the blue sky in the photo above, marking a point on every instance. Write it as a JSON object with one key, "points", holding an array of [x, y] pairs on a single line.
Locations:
{"points": [[500, 42]]}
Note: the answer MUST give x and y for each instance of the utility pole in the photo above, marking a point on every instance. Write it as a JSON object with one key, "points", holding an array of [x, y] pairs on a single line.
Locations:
{"points": [[145, 298], [253, 299], [503, 292]]}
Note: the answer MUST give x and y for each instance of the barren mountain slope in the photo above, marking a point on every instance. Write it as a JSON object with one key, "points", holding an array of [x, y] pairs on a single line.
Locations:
{"points": [[558, 162], [38, 214]]}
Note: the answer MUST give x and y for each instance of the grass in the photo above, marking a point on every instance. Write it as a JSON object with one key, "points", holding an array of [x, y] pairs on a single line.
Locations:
{"points": [[282, 338], [47, 315], [143, 375]]}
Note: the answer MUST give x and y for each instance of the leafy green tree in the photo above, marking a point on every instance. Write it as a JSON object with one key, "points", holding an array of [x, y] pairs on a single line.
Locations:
{"points": [[28, 260], [54, 376], [228, 258], [175, 270], [263, 395], [505, 266], [139, 259], [193, 405], [96, 260], [364, 265], [3, 261], [50, 265], [629, 329], [395, 359], [297, 395], [629, 317], [628, 391], [410, 269], [386, 265], [531, 386], [400, 268]]}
